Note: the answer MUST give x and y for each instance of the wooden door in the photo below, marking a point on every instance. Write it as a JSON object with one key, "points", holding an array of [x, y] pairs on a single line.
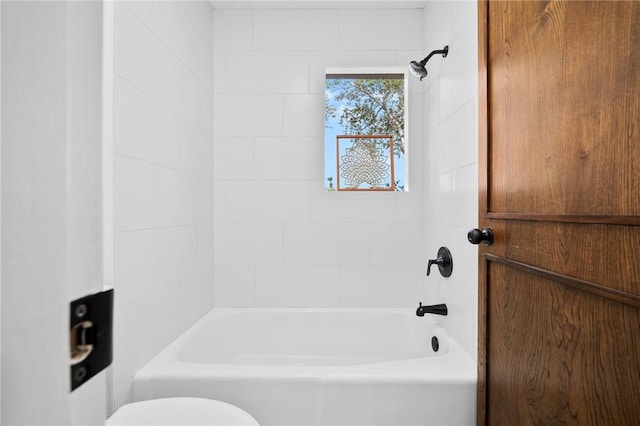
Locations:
{"points": [[559, 308]]}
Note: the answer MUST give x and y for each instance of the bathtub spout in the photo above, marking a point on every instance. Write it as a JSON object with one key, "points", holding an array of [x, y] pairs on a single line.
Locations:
{"points": [[440, 309]]}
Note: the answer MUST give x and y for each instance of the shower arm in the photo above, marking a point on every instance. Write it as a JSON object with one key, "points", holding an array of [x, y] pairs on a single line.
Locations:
{"points": [[435, 52]]}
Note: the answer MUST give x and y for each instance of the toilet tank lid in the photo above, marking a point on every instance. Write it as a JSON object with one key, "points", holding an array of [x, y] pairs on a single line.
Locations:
{"points": [[181, 411]]}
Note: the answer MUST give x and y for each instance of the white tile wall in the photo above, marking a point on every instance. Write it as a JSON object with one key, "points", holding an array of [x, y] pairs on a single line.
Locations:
{"points": [[329, 243], [247, 244], [296, 30], [280, 239], [239, 284], [365, 207], [296, 285], [451, 162], [233, 30], [319, 60], [241, 204], [296, 157], [247, 115], [365, 285], [185, 33], [300, 115], [266, 72], [392, 29], [163, 177], [268, 201], [146, 128], [134, 187]]}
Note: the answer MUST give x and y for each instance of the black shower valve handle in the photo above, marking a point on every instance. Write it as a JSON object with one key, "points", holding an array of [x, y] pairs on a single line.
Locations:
{"points": [[438, 261], [444, 262]]}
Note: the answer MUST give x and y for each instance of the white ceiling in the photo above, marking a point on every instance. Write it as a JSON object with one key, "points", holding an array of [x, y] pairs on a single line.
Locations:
{"points": [[317, 4]]}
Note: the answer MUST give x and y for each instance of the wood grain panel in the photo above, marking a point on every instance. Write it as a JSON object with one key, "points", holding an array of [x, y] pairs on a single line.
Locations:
{"points": [[559, 164], [558, 355], [563, 94], [606, 255], [628, 220], [578, 284]]}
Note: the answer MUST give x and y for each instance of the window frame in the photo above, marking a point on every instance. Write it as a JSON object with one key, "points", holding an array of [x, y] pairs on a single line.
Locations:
{"points": [[376, 72]]}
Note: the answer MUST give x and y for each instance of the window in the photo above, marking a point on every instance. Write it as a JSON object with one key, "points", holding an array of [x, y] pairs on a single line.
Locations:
{"points": [[365, 131]]}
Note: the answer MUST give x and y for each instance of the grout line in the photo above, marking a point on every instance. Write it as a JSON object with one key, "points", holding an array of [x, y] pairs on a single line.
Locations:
{"points": [[171, 109], [166, 46]]}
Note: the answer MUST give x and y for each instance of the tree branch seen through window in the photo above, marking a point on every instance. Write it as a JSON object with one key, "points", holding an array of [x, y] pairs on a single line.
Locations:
{"points": [[365, 105]]}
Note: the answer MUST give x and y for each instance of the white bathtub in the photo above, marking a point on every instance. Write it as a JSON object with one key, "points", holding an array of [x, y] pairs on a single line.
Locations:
{"points": [[319, 367]]}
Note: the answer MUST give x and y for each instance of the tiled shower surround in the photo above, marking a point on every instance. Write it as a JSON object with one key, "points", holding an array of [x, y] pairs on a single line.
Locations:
{"points": [[281, 239], [219, 192], [163, 178]]}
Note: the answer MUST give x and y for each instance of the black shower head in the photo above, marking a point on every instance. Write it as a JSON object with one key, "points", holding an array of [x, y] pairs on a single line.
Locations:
{"points": [[418, 68]]}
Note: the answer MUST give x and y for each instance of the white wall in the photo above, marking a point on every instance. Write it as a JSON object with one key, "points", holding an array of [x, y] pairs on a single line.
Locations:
{"points": [[163, 177], [51, 204], [280, 239], [451, 160]]}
